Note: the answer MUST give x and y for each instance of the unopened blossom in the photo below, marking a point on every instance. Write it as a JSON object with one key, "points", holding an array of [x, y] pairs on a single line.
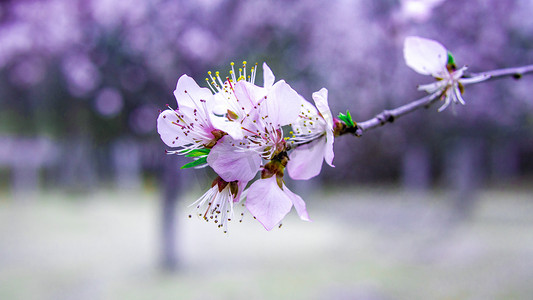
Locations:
{"points": [[429, 57], [312, 138]]}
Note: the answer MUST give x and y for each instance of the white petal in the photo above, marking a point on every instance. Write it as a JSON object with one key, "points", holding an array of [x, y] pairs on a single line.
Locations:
{"points": [[321, 102], [267, 202], [231, 163], [308, 110], [458, 97], [447, 101], [431, 88], [305, 161], [425, 56], [233, 129], [268, 77], [220, 104]]}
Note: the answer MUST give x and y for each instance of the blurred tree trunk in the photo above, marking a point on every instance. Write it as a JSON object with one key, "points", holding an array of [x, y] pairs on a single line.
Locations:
{"points": [[77, 164], [127, 164], [464, 164], [416, 168], [505, 164], [169, 260]]}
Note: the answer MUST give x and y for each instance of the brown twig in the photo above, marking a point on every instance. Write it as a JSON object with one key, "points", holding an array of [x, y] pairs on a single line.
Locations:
{"points": [[388, 116], [514, 72]]}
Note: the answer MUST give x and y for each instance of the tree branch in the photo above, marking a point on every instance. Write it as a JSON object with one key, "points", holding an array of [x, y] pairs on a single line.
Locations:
{"points": [[388, 116], [514, 72]]}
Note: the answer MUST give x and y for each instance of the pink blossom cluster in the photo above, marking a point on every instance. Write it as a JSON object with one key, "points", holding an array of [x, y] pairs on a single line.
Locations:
{"points": [[241, 130]]}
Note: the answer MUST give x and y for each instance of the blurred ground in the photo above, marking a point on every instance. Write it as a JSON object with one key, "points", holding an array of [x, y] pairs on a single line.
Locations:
{"points": [[363, 244]]}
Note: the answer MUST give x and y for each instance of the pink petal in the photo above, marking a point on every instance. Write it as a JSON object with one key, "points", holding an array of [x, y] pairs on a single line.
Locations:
{"points": [[267, 202], [328, 150], [283, 104], [189, 93], [248, 95], [268, 76], [241, 186], [170, 133], [305, 161], [231, 163], [298, 203]]}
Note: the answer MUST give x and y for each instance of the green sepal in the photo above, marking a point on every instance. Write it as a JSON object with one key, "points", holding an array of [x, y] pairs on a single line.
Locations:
{"points": [[198, 152], [347, 119], [451, 59], [200, 161]]}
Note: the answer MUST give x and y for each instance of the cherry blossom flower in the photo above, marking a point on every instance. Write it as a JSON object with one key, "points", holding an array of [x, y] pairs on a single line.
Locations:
{"points": [[313, 136], [192, 125], [261, 111], [429, 57], [219, 199], [231, 96], [235, 125]]}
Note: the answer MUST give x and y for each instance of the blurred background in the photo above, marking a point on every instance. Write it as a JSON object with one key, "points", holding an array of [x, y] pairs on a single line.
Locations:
{"points": [[433, 206]]}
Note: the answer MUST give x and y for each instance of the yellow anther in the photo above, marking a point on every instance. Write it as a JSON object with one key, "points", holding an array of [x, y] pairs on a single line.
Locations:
{"points": [[244, 63], [209, 72], [232, 63]]}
